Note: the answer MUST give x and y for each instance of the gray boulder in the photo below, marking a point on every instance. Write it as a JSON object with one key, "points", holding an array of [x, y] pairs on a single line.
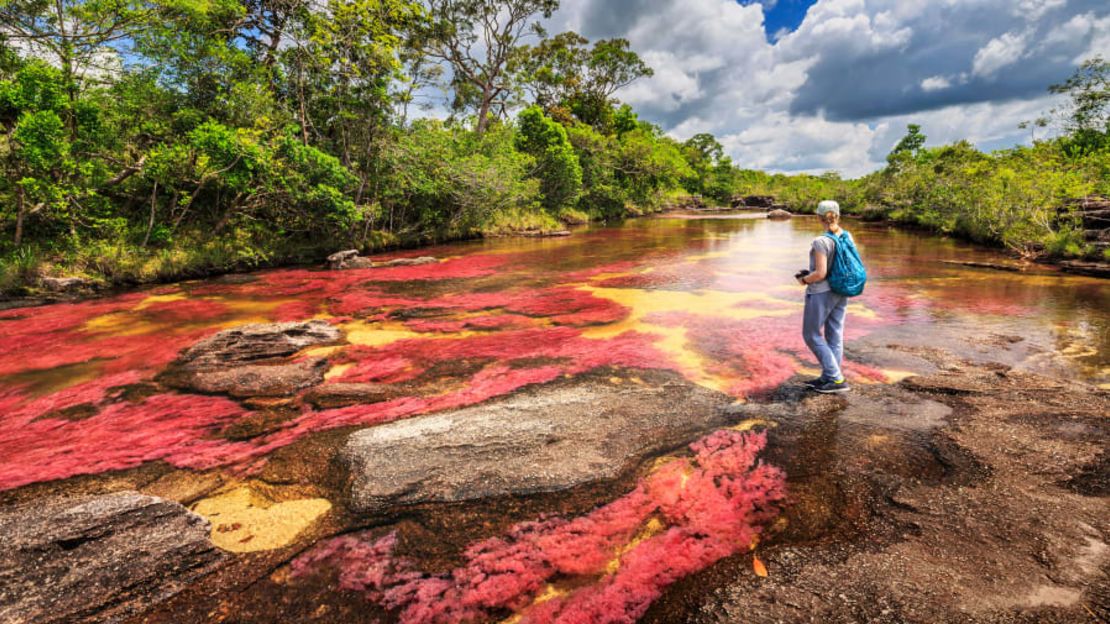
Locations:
{"points": [[544, 439], [339, 259], [779, 214], [65, 284], [99, 558]]}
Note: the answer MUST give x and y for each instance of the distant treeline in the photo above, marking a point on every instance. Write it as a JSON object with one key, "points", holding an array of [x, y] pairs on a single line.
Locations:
{"points": [[146, 140], [1026, 198]]}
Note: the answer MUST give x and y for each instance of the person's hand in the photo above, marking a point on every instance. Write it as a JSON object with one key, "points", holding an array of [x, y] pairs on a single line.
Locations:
{"points": [[801, 280]]}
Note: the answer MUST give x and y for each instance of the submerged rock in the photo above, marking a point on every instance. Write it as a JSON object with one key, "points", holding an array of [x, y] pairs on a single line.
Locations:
{"points": [[544, 439], [779, 214], [253, 360], [98, 557], [406, 262], [545, 233], [257, 380], [344, 394]]}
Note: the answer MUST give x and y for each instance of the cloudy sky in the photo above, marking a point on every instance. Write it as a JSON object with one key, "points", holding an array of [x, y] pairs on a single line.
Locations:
{"points": [[803, 85]]}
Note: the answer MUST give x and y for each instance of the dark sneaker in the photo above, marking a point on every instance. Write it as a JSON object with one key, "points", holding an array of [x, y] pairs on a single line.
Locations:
{"points": [[813, 383], [831, 387]]}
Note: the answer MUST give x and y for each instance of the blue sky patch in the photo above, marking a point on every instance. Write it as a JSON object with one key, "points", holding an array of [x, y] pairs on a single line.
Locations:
{"points": [[781, 16]]}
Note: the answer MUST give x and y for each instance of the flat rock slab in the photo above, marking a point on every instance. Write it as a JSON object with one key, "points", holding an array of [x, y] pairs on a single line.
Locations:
{"points": [[98, 557], [549, 438]]}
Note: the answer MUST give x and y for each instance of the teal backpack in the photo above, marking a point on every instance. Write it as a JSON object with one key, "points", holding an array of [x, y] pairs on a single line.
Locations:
{"points": [[846, 273]]}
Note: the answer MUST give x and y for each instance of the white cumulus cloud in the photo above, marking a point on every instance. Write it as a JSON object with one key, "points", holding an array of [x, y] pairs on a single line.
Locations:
{"points": [[998, 53]]}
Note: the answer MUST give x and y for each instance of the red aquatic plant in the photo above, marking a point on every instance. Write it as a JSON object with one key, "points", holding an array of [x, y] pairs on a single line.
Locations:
{"points": [[122, 434], [682, 518]]}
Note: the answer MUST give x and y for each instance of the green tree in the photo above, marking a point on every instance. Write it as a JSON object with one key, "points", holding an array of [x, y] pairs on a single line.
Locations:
{"points": [[557, 165], [477, 39], [564, 74]]}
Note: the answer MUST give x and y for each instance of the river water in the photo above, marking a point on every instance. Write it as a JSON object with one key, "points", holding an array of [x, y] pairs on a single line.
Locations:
{"points": [[710, 298]]}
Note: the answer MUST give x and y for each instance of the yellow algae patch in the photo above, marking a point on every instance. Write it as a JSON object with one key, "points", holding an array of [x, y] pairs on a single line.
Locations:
{"points": [[337, 371], [245, 311], [550, 592], [323, 351], [153, 299], [673, 340], [894, 375], [707, 302], [133, 322], [245, 519], [750, 423], [377, 334], [659, 462], [652, 527]]}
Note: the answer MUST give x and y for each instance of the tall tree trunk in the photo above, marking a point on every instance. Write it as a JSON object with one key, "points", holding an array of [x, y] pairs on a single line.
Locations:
{"points": [[22, 202], [483, 111], [150, 224]]}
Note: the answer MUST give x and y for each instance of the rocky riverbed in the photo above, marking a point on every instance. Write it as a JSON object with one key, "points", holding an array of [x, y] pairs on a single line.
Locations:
{"points": [[604, 426], [973, 493]]}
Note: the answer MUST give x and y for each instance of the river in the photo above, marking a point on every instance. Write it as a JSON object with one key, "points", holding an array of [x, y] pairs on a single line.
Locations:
{"points": [[87, 408]]}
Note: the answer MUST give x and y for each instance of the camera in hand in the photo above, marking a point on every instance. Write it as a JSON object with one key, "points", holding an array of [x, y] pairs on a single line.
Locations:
{"points": [[801, 274]]}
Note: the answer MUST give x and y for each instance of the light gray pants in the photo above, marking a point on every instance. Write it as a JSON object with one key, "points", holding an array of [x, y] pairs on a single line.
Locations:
{"points": [[826, 310]]}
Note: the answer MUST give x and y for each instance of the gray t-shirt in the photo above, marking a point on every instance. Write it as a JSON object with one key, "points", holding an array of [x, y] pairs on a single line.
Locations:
{"points": [[825, 245]]}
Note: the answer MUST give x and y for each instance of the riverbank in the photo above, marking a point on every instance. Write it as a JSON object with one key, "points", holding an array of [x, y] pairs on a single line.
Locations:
{"points": [[32, 290]]}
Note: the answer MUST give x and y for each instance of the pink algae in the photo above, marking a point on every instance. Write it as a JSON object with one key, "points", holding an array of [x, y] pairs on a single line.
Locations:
{"points": [[703, 508]]}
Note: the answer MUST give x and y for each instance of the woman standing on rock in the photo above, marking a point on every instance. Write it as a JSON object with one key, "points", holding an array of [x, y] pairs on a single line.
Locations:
{"points": [[825, 308]]}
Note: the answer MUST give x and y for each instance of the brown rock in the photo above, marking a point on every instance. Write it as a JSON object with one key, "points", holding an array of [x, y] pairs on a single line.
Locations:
{"points": [[406, 262], [257, 380], [98, 558], [343, 394], [779, 214], [253, 360], [250, 344]]}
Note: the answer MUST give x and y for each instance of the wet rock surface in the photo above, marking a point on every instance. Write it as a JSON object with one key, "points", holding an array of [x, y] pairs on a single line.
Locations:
{"points": [[549, 438], [778, 214], [406, 262], [98, 558], [254, 360], [332, 395], [967, 505], [257, 380]]}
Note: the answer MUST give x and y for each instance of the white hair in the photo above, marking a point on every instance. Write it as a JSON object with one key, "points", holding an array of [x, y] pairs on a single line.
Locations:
{"points": [[828, 206]]}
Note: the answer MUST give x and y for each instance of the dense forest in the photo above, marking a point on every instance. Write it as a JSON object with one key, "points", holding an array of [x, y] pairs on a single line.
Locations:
{"points": [[147, 140]]}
